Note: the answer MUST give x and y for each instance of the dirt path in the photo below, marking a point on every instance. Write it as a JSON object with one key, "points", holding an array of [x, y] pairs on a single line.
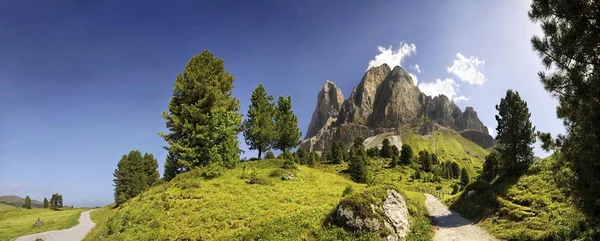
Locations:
{"points": [[451, 226], [76, 233]]}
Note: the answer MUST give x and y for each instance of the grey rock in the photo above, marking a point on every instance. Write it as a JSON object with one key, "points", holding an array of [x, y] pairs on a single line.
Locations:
{"points": [[397, 101], [329, 103], [468, 120], [288, 177], [482, 139], [395, 219]]}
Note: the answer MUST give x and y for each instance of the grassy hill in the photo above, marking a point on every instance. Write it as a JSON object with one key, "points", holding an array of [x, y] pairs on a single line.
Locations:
{"points": [[18, 201], [15, 222], [535, 206]]}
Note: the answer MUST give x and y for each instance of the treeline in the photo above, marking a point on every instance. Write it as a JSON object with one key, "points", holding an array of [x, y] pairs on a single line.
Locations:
{"points": [[55, 203]]}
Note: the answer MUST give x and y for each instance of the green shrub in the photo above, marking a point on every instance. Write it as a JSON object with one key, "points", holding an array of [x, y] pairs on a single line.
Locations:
{"points": [[455, 189], [255, 179], [269, 155], [213, 170], [347, 191], [277, 173]]}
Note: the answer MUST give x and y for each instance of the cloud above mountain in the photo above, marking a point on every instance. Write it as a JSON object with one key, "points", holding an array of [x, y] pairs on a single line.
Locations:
{"points": [[468, 69], [393, 57], [447, 87]]}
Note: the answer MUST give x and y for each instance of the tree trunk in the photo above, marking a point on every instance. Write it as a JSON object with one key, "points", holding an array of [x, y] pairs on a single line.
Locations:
{"points": [[259, 153]]}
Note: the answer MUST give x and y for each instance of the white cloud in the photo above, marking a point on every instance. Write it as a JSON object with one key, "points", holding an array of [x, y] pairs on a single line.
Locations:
{"points": [[417, 68], [461, 98], [447, 87], [468, 69], [392, 57], [414, 78], [491, 132]]}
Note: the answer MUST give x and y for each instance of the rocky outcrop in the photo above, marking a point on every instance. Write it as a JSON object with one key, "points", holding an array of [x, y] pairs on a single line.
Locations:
{"points": [[469, 121], [482, 139], [329, 103], [384, 101], [397, 101], [361, 102], [390, 218]]}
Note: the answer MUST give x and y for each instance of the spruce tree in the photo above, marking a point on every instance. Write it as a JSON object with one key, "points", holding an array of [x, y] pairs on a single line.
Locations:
{"points": [[134, 175], [569, 50], [56, 201], [455, 170], [259, 128], [286, 125], [203, 118], [151, 169], [464, 176], [516, 134], [45, 203], [269, 155], [302, 156], [491, 167], [357, 165], [27, 202], [406, 154], [385, 149], [425, 160], [337, 152]]}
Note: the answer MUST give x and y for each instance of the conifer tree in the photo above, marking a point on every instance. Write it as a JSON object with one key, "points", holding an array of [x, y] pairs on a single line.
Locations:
{"points": [[455, 170], [286, 125], [385, 149], [425, 160], [516, 134], [569, 51], [491, 167], [357, 165], [406, 154], [134, 175], [203, 118], [46, 203], [464, 176], [27, 202], [150, 169], [56, 201], [269, 155], [259, 128], [337, 152]]}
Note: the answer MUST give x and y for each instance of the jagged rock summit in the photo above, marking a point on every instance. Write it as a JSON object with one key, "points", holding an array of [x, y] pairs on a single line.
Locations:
{"points": [[382, 103]]}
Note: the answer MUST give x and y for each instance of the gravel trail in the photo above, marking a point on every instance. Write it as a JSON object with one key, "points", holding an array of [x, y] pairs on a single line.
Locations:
{"points": [[451, 226], [76, 233]]}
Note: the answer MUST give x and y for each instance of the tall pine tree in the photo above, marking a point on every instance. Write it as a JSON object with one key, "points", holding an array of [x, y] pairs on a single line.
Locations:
{"points": [[569, 50], [258, 128], [134, 175], [516, 134], [27, 202], [203, 118], [286, 125], [357, 163], [46, 203], [406, 154]]}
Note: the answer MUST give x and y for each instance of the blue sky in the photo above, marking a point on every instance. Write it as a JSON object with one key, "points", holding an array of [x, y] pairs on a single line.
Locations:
{"points": [[84, 82]]}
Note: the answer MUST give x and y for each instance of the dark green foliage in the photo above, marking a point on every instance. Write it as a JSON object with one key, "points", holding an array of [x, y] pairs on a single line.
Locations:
{"points": [[203, 118], [406, 154], [455, 189], [56, 201], [357, 165], [425, 160], [313, 158], [395, 160], [259, 127], [373, 152], [455, 170], [27, 202], [386, 152], [516, 134], [491, 166], [46, 204], [134, 174], [269, 155], [434, 159], [286, 125], [347, 191], [569, 50], [464, 176], [337, 152], [301, 156], [288, 160]]}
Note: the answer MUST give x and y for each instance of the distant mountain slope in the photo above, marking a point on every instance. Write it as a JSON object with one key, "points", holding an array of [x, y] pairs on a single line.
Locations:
{"points": [[18, 201]]}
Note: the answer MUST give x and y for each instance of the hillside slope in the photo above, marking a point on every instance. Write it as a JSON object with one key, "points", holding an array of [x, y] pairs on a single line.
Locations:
{"points": [[230, 208], [18, 201]]}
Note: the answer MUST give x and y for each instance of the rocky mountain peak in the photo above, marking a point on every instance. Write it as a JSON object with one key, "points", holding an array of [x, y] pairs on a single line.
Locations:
{"points": [[469, 120], [329, 103]]}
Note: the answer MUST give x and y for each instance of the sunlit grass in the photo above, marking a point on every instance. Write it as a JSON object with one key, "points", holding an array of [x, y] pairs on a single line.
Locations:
{"points": [[19, 222]]}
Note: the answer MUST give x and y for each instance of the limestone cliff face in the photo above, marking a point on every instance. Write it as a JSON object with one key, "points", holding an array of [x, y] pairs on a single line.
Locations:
{"points": [[383, 102], [469, 121], [329, 103], [361, 102], [396, 102]]}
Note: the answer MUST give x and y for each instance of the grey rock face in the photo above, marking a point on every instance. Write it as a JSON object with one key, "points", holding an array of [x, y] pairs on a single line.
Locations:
{"points": [[395, 218], [329, 103], [469, 121], [440, 109], [397, 101], [482, 139], [361, 102]]}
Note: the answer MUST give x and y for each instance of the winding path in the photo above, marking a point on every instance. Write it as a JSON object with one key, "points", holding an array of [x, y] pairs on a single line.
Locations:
{"points": [[451, 226], [76, 233]]}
